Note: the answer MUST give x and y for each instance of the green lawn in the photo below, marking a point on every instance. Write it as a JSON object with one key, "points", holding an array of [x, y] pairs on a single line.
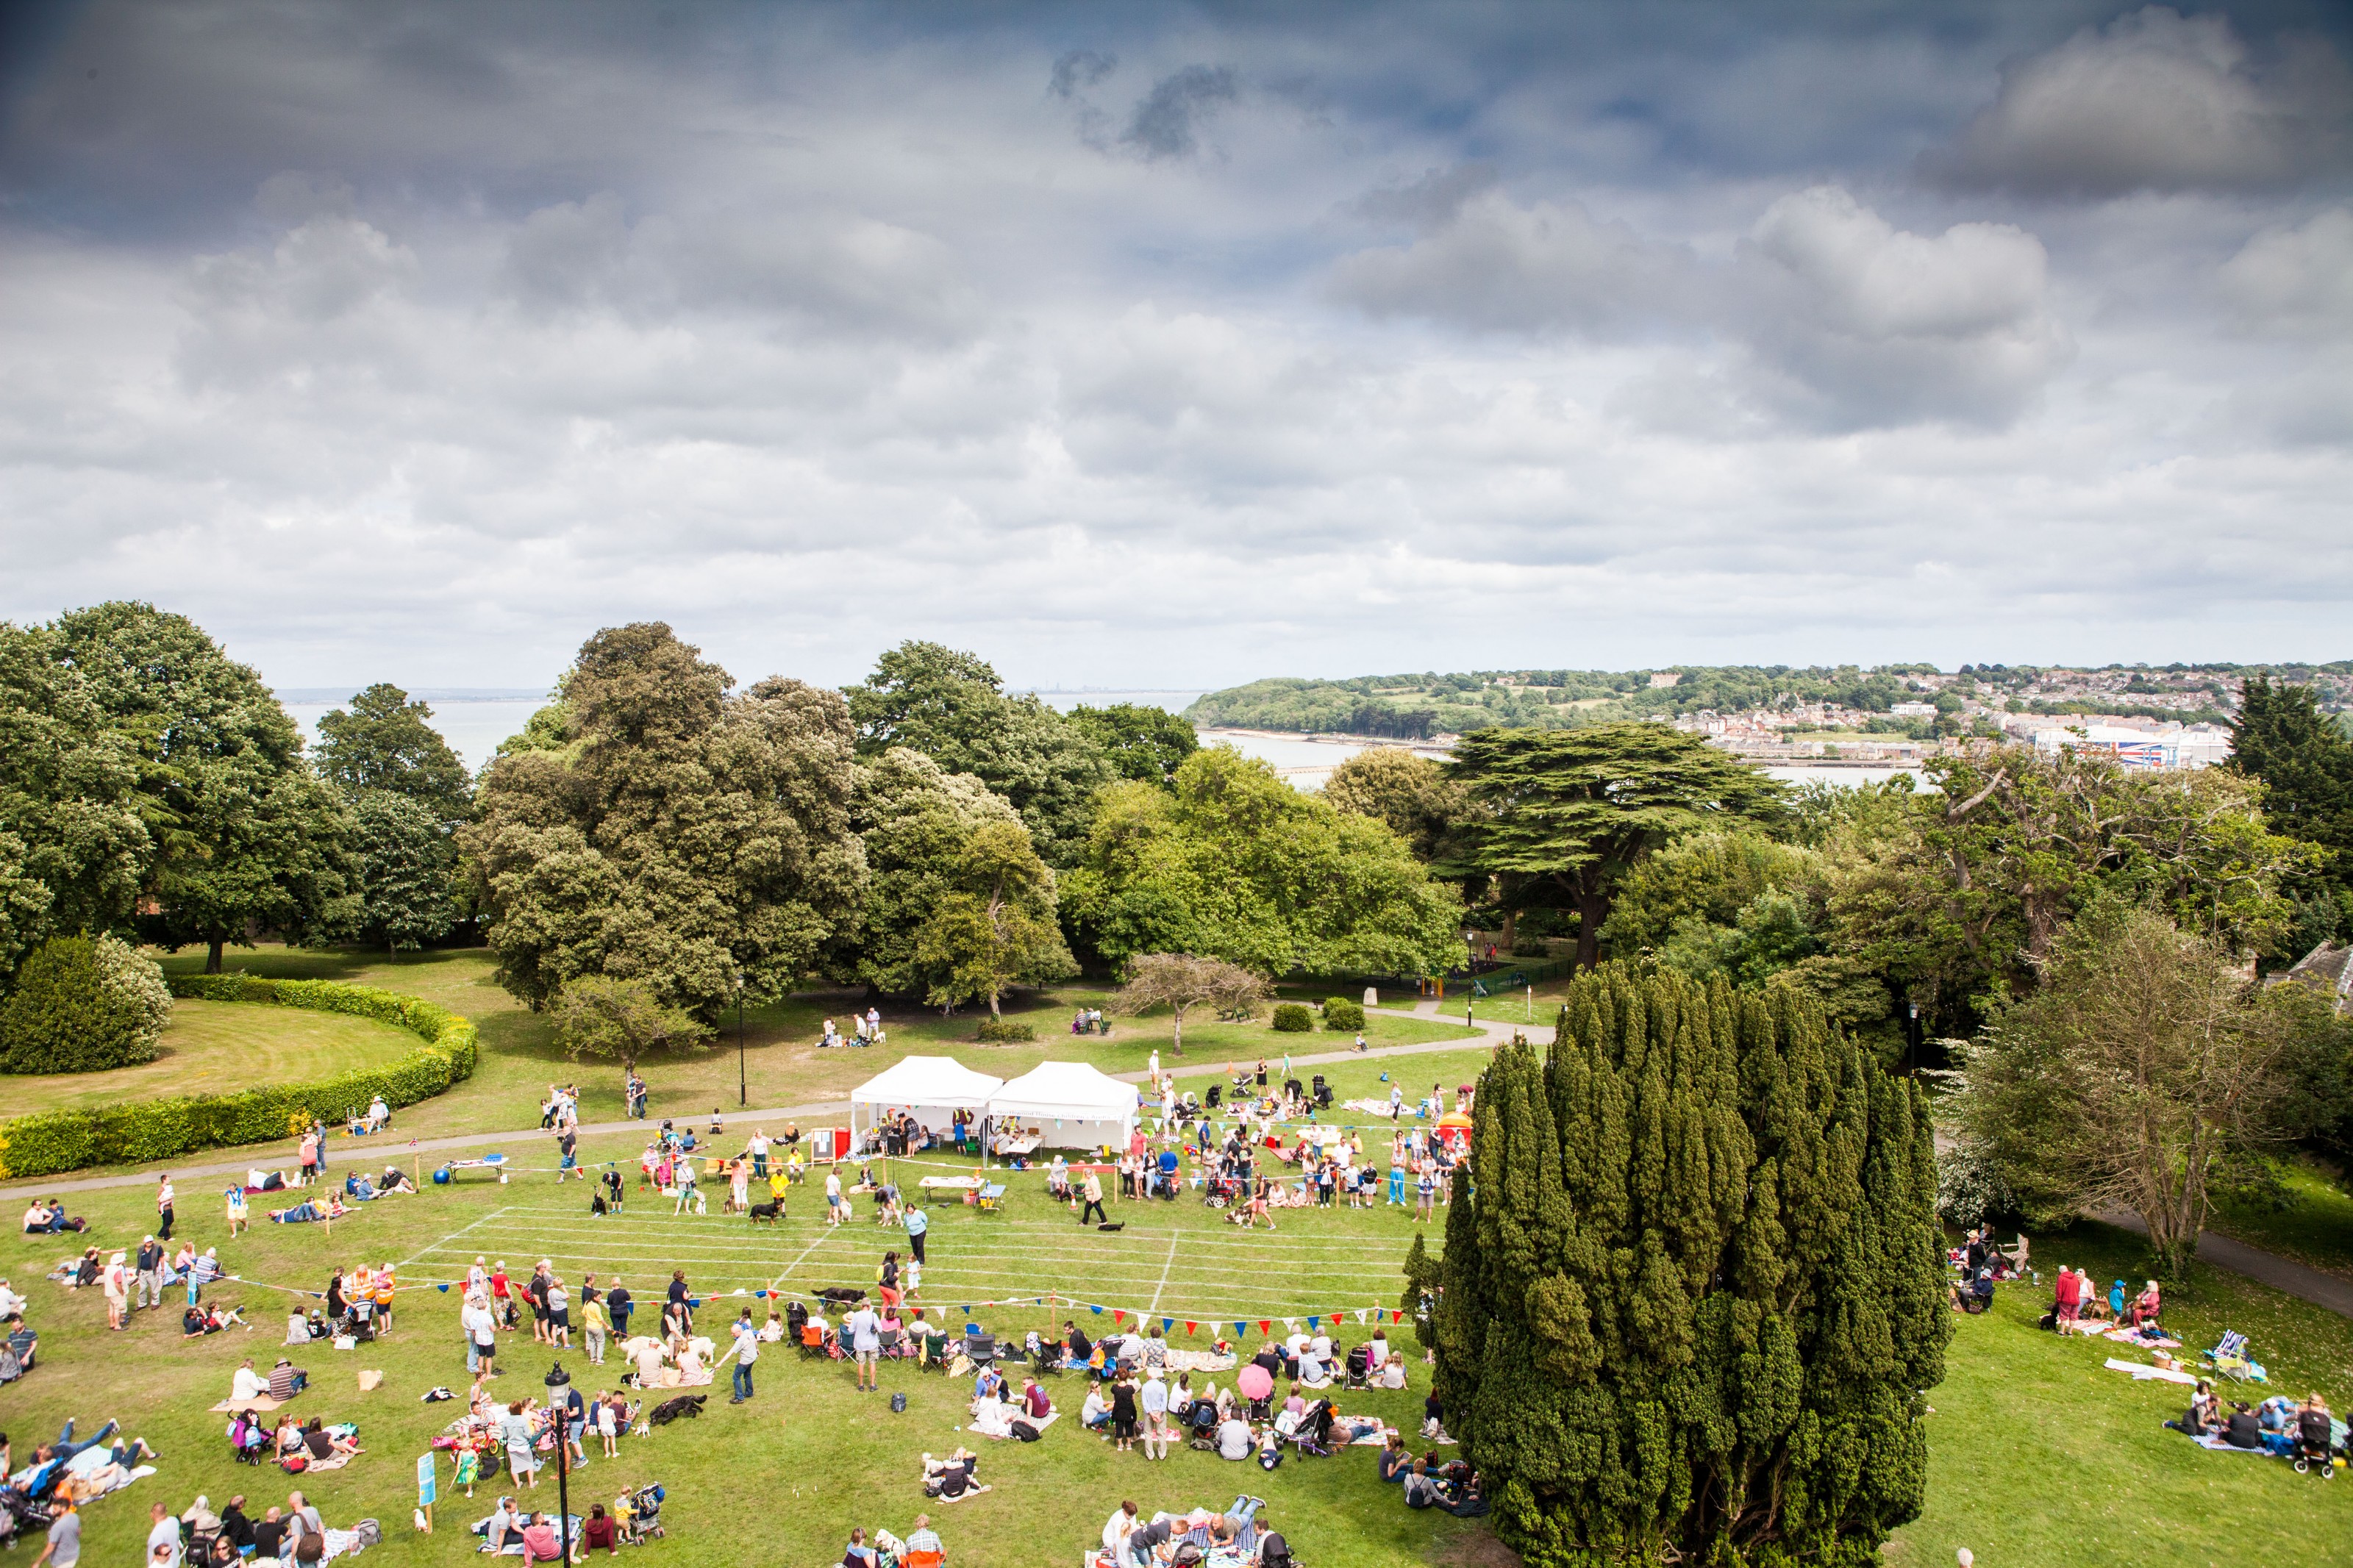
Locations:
{"points": [[213, 1047], [838, 1459], [2315, 1228], [2041, 1455], [780, 1062]]}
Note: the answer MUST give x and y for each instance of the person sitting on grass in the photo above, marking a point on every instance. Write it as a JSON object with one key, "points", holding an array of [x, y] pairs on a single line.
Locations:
{"points": [[597, 1532], [1975, 1296], [324, 1443], [1095, 1413], [287, 1380], [2145, 1308]]}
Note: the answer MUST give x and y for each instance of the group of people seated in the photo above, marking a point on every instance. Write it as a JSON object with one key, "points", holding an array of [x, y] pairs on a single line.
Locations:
{"points": [[2075, 1299], [866, 1030], [899, 1330], [310, 1209], [210, 1318], [360, 1187], [1089, 1021], [536, 1537], [1130, 1540], [80, 1470], [1432, 1482], [375, 1118], [2280, 1424], [996, 1414], [46, 1217]]}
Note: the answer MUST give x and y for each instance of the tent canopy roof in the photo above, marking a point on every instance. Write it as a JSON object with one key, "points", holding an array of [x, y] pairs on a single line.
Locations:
{"points": [[1071, 1090], [939, 1082]]}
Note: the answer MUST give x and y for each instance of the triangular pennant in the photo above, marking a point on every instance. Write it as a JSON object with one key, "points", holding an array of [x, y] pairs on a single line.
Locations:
{"points": [[1166, 1324], [1291, 1323], [443, 1289], [1314, 1324], [1265, 1326], [1239, 1328], [1396, 1315], [1118, 1314], [1096, 1311], [1191, 1327]]}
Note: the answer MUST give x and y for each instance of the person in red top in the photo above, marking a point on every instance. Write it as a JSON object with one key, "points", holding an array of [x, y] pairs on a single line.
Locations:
{"points": [[598, 1532], [2069, 1297]]}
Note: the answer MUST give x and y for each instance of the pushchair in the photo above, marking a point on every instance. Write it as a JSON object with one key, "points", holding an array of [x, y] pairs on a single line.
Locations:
{"points": [[645, 1514], [1359, 1366], [2314, 1448]]}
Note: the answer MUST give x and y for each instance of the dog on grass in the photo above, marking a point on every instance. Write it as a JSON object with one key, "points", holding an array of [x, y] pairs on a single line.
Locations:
{"points": [[685, 1408], [764, 1213]]}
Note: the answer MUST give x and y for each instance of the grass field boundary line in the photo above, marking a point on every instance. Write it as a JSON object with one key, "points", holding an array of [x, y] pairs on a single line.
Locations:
{"points": [[938, 1276], [820, 1240], [1087, 1250], [1165, 1269], [449, 1237]]}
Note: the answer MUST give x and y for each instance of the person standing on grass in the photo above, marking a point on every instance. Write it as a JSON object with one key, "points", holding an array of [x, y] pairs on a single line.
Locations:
{"points": [[834, 1205], [748, 1351], [64, 1548], [1154, 1401], [1094, 1191], [148, 1292], [919, 1224], [308, 1151], [593, 1324], [617, 1306], [1425, 1189], [163, 1196], [163, 1538], [481, 1326], [864, 1332]]}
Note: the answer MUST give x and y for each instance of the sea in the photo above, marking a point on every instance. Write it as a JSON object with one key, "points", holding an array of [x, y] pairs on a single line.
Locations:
{"points": [[474, 720]]}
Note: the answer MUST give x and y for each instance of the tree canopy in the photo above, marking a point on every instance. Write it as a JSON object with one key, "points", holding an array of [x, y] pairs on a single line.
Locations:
{"points": [[244, 832], [73, 848], [914, 820], [951, 707], [597, 1015], [1143, 743], [2304, 762], [1181, 982], [1560, 816], [1233, 863], [1694, 1302], [993, 928], [384, 741], [1409, 794], [686, 837]]}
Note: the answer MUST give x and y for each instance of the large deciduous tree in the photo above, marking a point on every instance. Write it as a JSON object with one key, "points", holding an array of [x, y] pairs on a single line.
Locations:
{"points": [[73, 849], [1144, 744], [1411, 795], [2147, 1072], [245, 835], [1694, 1299], [1181, 982], [2304, 762], [1233, 863], [1957, 899], [993, 928], [1560, 816], [951, 707], [914, 820], [686, 837]]}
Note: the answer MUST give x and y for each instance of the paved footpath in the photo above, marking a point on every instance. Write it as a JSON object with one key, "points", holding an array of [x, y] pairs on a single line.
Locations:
{"points": [[2269, 1268], [358, 1152]]}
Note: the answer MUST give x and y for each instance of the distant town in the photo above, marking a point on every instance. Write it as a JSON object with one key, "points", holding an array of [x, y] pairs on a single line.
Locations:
{"points": [[2171, 716]]}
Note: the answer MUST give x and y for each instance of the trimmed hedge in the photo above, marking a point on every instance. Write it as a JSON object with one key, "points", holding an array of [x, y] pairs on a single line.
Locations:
{"points": [[1342, 1014], [1294, 1018], [48, 1143], [1001, 1031]]}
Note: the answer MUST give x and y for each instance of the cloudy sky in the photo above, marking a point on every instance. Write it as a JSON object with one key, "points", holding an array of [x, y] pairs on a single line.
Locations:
{"points": [[1173, 345]]}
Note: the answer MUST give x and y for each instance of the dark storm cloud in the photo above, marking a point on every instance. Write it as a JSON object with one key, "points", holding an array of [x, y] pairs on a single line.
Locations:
{"points": [[1167, 123]]}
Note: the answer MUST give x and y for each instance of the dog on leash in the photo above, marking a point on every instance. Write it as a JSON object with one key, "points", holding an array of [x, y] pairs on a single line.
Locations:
{"points": [[765, 1213]]}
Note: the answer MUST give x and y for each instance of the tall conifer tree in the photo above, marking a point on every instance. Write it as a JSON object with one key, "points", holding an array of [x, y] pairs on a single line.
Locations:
{"points": [[1692, 1301]]}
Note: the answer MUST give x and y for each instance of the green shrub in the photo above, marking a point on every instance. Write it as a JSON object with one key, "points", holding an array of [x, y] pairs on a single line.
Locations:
{"points": [[48, 1143], [1293, 1017], [998, 1031], [1341, 1014], [1531, 947], [83, 1004]]}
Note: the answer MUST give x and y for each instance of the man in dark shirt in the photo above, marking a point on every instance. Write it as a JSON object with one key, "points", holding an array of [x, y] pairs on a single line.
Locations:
{"points": [[1081, 1346], [617, 1307], [269, 1536], [1143, 1541], [23, 1341]]}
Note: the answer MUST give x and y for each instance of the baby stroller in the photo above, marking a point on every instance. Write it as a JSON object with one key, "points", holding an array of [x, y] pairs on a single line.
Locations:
{"points": [[645, 1507], [1359, 1366], [1314, 1434], [2314, 1446]]}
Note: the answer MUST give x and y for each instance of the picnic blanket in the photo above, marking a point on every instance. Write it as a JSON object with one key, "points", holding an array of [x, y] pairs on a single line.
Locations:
{"points": [[2128, 1337], [2220, 1446], [1199, 1360], [1371, 1107], [88, 1463], [259, 1402], [2143, 1373], [2083, 1326], [1007, 1438]]}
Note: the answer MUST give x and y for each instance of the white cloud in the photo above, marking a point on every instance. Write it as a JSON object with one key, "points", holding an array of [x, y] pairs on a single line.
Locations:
{"points": [[2296, 280], [1859, 323], [2155, 100]]}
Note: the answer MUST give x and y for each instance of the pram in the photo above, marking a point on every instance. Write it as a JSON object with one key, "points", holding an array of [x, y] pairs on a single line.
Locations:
{"points": [[645, 1514], [2314, 1447], [1359, 1366], [22, 1517]]}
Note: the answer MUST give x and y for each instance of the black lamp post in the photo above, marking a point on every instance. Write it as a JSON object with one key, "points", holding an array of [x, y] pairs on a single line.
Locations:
{"points": [[743, 1093], [558, 1380]]}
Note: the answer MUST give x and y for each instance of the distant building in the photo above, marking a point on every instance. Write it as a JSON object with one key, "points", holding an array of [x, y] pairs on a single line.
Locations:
{"points": [[1913, 711], [2328, 969], [2169, 745]]}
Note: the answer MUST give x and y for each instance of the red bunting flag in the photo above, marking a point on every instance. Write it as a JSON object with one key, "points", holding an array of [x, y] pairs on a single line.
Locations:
{"points": [[1395, 1316], [1266, 1325], [1117, 1313], [1191, 1327]]}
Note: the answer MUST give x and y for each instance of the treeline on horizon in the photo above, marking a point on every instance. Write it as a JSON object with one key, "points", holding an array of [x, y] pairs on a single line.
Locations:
{"points": [[1417, 706]]}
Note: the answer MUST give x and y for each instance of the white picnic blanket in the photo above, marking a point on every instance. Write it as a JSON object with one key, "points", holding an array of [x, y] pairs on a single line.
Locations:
{"points": [[2220, 1446], [2145, 1373]]}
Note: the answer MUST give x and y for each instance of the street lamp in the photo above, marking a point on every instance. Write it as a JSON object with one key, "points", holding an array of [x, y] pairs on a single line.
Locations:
{"points": [[558, 1380], [743, 1094]]}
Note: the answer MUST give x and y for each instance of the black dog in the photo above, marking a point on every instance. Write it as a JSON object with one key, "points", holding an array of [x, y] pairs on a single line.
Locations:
{"points": [[684, 1407], [768, 1214], [597, 1205]]}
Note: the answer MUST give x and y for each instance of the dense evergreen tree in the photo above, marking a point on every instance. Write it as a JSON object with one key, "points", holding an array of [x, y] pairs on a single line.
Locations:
{"points": [[408, 794], [681, 837], [1692, 1301], [1410, 794], [915, 818], [386, 742], [83, 1004], [2306, 763]]}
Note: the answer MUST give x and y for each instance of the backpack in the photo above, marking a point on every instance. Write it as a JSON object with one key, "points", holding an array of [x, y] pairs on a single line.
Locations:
{"points": [[951, 1482], [1026, 1432]]}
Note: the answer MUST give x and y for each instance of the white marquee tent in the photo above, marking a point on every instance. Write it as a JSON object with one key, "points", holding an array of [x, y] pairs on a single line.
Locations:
{"points": [[930, 1089], [1070, 1104]]}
